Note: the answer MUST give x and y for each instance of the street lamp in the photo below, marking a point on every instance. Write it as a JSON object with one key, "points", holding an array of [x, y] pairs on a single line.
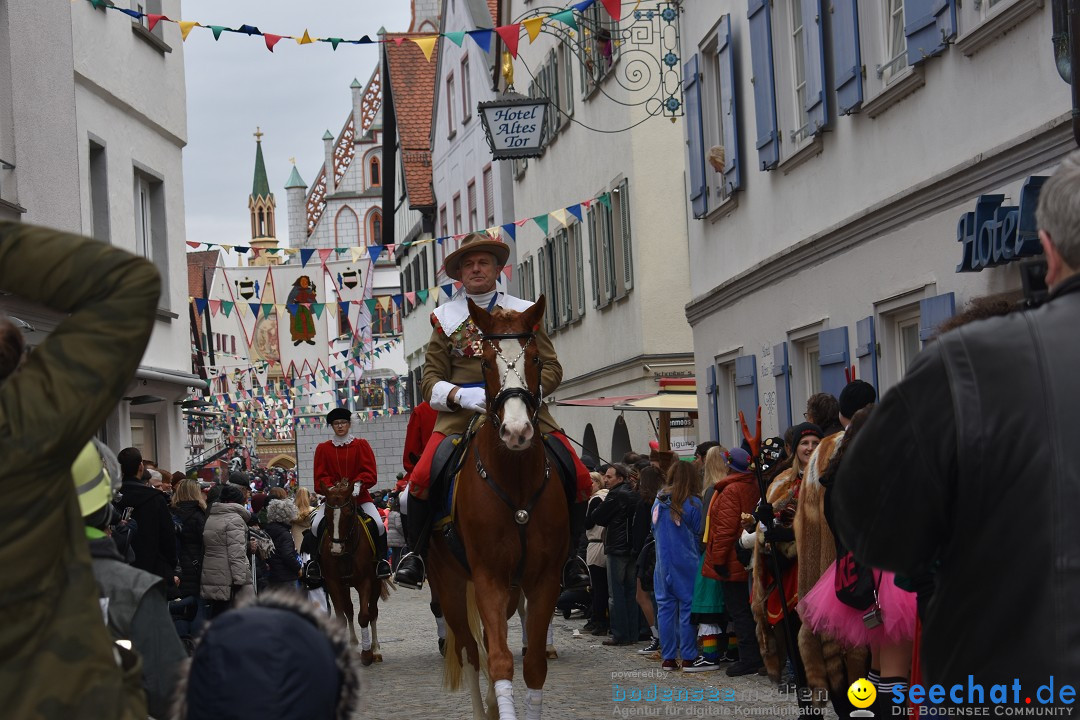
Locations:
{"points": [[514, 125]]}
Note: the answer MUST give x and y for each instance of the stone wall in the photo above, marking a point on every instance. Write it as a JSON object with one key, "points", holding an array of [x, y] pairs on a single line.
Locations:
{"points": [[386, 435]]}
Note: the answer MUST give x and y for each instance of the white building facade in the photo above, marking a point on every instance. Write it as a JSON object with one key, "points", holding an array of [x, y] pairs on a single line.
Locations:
{"points": [[615, 281], [101, 117], [872, 185]]}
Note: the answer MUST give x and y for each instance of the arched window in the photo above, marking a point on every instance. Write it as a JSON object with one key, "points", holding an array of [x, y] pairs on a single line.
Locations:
{"points": [[262, 224], [374, 228], [376, 175], [346, 228], [620, 440]]}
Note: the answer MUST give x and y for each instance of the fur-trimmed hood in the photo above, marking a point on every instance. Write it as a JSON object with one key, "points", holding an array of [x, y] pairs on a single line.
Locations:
{"points": [[282, 643], [282, 511]]}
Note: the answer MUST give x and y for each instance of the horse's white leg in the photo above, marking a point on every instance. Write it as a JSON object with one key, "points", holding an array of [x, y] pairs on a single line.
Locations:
{"points": [[365, 638], [533, 700], [504, 696], [472, 679]]}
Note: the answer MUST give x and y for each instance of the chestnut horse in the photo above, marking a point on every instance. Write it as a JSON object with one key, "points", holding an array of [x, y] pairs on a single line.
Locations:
{"points": [[511, 517], [348, 562]]}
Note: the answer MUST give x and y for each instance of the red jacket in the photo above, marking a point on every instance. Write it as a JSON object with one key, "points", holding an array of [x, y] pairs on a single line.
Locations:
{"points": [[421, 425], [354, 462], [735, 494]]}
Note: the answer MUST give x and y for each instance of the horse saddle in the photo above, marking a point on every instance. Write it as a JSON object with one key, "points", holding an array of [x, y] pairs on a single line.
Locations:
{"points": [[562, 462]]}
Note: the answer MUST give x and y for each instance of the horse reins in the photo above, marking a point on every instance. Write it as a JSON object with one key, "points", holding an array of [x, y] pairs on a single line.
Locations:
{"points": [[351, 534]]}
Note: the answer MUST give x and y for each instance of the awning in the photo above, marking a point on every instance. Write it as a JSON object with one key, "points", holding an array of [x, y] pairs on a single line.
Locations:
{"points": [[664, 402], [601, 401]]}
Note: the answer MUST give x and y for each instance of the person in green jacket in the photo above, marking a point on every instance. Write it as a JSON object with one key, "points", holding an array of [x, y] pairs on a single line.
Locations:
{"points": [[57, 660]]}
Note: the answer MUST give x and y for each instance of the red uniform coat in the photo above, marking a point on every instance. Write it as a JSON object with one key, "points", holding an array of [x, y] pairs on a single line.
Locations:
{"points": [[421, 423], [355, 462], [735, 494]]}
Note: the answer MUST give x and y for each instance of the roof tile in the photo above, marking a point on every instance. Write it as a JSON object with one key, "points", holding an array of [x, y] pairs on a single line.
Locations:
{"points": [[412, 80]]}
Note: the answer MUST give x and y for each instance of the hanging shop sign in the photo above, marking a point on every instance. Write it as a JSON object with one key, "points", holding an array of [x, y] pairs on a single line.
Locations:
{"points": [[996, 234], [514, 125]]}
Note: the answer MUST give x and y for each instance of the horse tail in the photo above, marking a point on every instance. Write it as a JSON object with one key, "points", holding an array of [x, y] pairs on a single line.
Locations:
{"points": [[452, 664], [476, 626], [384, 589]]}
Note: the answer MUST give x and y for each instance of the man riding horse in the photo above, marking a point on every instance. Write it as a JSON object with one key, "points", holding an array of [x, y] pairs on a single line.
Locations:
{"points": [[453, 384], [349, 459]]}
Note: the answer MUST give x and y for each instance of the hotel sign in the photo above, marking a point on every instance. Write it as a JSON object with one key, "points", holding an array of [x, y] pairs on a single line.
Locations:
{"points": [[514, 125], [996, 234]]}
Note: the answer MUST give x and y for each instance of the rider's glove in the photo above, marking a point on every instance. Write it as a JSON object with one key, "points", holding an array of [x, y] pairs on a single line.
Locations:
{"points": [[472, 398]]}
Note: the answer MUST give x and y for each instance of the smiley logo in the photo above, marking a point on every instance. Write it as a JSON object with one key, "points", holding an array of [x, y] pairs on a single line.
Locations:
{"points": [[861, 693]]}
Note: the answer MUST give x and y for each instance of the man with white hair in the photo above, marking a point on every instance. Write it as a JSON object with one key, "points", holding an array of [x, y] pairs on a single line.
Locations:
{"points": [[968, 472]]}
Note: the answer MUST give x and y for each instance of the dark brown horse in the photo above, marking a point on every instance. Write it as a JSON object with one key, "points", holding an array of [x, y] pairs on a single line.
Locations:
{"points": [[348, 561], [511, 516]]}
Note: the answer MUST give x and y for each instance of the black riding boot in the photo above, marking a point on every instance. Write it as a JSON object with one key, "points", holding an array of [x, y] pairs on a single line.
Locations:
{"points": [[382, 565], [575, 573], [410, 572]]}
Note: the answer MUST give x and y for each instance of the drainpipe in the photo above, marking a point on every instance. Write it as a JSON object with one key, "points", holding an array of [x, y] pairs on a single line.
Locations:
{"points": [[1065, 36]]}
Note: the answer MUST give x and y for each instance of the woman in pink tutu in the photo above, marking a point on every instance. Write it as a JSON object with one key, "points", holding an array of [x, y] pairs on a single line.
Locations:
{"points": [[886, 623]]}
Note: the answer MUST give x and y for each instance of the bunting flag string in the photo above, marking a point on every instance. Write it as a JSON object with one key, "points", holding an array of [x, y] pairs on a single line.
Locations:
{"points": [[510, 34]]}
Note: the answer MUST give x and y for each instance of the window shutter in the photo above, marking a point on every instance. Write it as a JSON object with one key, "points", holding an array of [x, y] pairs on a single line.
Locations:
{"points": [[608, 251], [725, 61], [542, 256], [817, 106], [933, 311], [713, 391], [928, 25], [761, 60], [695, 137], [566, 301], [783, 387], [579, 268], [833, 349], [847, 58], [594, 256], [489, 197], [746, 395], [866, 350], [627, 241], [553, 89]]}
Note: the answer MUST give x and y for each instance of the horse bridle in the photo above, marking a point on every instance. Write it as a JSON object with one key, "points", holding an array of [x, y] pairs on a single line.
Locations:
{"points": [[532, 402], [351, 534]]}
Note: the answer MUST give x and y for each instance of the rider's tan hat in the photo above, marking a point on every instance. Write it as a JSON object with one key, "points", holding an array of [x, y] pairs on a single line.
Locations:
{"points": [[476, 242]]}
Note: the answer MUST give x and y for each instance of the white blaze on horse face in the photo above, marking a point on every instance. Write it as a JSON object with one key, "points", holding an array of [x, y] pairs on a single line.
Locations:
{"points": [[516, 430], [335, 528]]}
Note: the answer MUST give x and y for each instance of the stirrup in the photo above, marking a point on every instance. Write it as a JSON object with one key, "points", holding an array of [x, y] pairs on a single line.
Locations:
{"points": [[575, 574], [382, 570], [405, 580]]}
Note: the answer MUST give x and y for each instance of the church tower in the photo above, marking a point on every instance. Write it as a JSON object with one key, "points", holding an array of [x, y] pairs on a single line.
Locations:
{"points": [[262, 207]]}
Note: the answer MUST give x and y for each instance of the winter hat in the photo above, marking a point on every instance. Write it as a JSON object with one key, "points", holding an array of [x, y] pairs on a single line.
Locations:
{"points": [[338, 414], [856, 395], [738, 459], [803, 429], [240, 478]]}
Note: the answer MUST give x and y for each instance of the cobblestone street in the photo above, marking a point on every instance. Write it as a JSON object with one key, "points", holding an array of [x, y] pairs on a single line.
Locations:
{"points": [[587, 680]]}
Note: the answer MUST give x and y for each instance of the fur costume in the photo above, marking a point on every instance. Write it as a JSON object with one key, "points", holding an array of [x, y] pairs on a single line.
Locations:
{"points": [[779, 490], [828, 666]]}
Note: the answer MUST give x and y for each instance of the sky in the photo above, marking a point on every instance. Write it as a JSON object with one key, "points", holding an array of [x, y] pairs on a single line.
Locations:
{"points": [[294, 94]]}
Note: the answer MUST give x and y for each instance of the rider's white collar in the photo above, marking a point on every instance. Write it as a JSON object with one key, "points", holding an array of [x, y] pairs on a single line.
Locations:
{"points": [[342, 441], [455, 312]]}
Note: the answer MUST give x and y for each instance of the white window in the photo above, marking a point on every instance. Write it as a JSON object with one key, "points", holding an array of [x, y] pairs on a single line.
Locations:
{"points": [[474, 219], [798, 69], [908, 343], [466, 91], [451, 104], [898, 337], [895, 58], [144, 238], [457, 213], [713, 113], [599, 46]]}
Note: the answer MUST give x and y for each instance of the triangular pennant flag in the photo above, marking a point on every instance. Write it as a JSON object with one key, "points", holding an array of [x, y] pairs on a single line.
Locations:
{"points": [[365, 41], [334, 42], [426, 45], [521, 223], [575, 210], [411, 297], [532, 26], [384, 302], [422, 296], [586, 203], [542, 222], [194, 245], [200, 305], [566, 17], [398, 299], [305, 39], [371, 302], [256, 308], [356, 253], [455, 37], [448, 290], [511, 230], [581, 7], [268, 309], [375, 251], [606, 199], [227, 307], [282, 310], [324, 254], [305, 255], [215, 307], [435, 294], [507, 271], [242, 249], [390, 251], [185, 28], [218, 29], [271, 41], [153, 20], [317, 308], [614, 8], [560, 216], [510, 35], [248, 30], [482, 38]]}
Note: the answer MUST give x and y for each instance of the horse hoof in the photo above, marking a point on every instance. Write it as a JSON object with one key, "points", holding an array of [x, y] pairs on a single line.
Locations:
{"points": [[366, 657], [378, 657], [552, 654]]}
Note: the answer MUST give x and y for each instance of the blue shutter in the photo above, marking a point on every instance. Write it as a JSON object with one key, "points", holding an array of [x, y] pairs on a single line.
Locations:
{"points": [[833, 349], [761, 60], [933, 311], [866, 350], [746, 398], [713, 391], [725, 63], [928, 25], [847, 59], [817, 107], [695, 139], [783, 387]]}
